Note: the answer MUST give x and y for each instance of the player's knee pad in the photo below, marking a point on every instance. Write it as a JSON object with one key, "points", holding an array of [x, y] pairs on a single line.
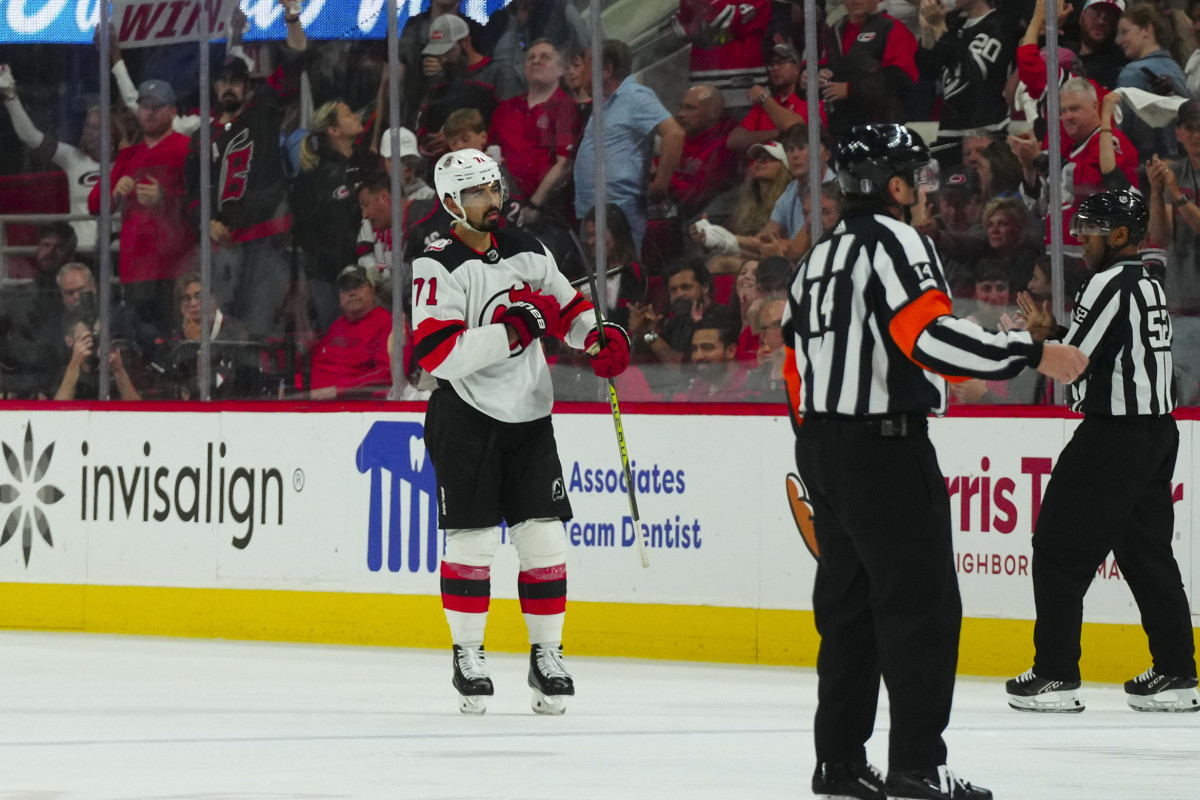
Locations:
{"points": [[474, 547], [540, 543]]}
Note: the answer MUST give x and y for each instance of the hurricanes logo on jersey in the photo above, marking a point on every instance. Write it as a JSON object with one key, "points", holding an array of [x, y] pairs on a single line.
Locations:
{"points": [[235, 169]]}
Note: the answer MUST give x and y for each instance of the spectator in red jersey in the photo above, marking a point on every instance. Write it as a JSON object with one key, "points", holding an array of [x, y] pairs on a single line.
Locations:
{"points": [[536, 132], [774, 110], [149, 188], [726, 38], [353, 352], [871, 68], [1082, 174], [706, 167]]}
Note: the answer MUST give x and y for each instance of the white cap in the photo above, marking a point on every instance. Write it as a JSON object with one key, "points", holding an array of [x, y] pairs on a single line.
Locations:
{"points": [[445, 31], [774, 149], [408, 143], [1119, 5]]}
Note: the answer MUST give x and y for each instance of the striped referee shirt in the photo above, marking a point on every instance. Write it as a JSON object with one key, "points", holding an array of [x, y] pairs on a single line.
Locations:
{"points": [[1121, 324], [870, 331]]}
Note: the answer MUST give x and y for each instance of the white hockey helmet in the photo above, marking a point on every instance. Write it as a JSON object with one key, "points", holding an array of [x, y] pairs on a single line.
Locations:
{"points": [[464, 169]]}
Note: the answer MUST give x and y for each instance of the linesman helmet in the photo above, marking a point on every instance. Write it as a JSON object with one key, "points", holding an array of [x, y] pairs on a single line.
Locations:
{"points": [[1104, 212]]}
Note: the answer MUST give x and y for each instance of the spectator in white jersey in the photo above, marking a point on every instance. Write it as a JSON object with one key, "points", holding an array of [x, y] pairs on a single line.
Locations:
{"points": [[80, 162], [483, 297]]}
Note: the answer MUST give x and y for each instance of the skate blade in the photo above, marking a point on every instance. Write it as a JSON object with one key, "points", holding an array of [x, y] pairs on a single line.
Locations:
{"points": [[550, 705], [475, 705], [1175, 701], [1049, 703]]}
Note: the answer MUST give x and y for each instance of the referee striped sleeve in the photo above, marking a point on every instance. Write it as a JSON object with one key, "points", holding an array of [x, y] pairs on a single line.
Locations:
{"points": [[956, 348]]}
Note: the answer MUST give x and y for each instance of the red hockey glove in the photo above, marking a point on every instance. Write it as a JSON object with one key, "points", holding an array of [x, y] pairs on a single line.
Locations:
{"points": [[531, 315], [612, 359]]}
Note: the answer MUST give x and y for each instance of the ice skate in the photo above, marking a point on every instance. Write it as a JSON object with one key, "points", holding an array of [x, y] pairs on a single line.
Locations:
{"points": [[1028, 692], [932, 784], [472, 679], [848, 781], [549, 679], [1152, 691]]}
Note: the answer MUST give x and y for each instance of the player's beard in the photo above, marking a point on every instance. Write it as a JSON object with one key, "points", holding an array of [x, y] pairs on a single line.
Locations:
{"points": [[230, 104], [486, 224]]}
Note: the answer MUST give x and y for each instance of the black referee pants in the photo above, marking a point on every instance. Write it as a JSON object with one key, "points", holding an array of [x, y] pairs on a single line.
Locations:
{"points": [[886, 595], [1110, 492]]}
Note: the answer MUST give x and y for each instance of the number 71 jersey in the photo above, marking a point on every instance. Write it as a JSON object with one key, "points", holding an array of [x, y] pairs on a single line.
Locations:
{"points": [[458, 296]]}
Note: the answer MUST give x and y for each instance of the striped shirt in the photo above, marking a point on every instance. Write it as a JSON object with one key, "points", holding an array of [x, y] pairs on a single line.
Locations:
{"points": [[869, 323], [1121, 324]]}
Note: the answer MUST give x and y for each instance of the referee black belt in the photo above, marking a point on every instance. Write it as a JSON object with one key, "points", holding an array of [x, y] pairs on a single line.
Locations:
{"points": [[888, 426]]}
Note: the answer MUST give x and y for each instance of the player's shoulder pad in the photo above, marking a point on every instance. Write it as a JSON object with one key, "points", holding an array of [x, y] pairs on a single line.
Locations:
{"points": [[512, 242], [448, 252]]}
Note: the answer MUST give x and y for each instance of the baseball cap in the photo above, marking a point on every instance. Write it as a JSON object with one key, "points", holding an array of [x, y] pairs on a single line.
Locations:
{"points": [[788, 51], [232, 68], [408, 143], [352, 277], [961, 181], [1189, 112], [773, 149], [1117, 5], [156, 92], [445, 31]]}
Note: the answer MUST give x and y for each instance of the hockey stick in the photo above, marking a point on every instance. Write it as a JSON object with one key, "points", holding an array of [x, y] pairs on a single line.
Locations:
{"points": [[612, 403]]}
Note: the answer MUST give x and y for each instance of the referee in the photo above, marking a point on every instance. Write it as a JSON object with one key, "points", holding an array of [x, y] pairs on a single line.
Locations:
{"points": [[1111, 488], [870, 337]]}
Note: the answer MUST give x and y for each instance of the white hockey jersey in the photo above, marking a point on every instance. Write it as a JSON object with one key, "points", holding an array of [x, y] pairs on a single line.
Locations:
{"points": [[459, 293]]}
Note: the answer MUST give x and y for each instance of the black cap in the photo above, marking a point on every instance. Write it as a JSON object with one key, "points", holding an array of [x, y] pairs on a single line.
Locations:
{"points": [[232, 68], [962, 181], [1189, 111]]}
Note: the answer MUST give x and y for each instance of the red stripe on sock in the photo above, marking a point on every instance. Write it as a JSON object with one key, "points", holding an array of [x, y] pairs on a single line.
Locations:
{"points": [[544, 607], [467, 605]]}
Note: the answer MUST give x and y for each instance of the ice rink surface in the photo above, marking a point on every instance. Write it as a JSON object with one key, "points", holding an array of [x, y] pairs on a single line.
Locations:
{"points": [[115, 717]]}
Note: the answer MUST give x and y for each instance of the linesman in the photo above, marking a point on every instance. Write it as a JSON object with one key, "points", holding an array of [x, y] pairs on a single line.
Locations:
{"points": [[1111, 488], [871, 339]]}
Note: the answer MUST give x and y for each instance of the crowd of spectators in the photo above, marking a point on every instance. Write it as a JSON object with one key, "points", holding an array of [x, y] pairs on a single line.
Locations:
{"points": [[708, 190]]}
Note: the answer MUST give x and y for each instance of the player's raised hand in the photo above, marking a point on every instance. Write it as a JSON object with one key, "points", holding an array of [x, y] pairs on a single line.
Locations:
{"points": [[1039, 320]]}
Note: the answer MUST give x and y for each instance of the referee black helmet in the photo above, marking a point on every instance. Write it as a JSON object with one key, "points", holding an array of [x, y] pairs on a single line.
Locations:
{"points": [[1105, 212], [870, 155]]}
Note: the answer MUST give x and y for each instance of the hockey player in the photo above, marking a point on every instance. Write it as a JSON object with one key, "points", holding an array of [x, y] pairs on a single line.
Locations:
{"points": [[1111, 487], [481, 299]]}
